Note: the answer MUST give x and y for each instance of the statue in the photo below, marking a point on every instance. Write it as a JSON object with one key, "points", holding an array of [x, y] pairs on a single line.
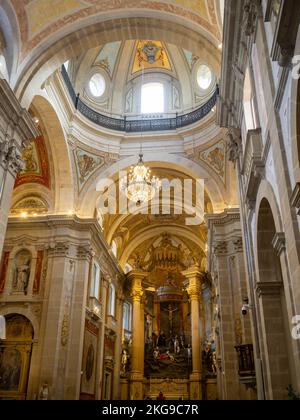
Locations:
{"points": [[161, 342], [189, 354], [44, 392], [156, 354], [124, 361], [170, 311], [176, 345], [214, 362], [149, 318], [22, 277]]}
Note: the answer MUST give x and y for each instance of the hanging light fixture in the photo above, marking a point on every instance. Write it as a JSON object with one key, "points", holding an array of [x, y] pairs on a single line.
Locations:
{"points": [[140, 187]]}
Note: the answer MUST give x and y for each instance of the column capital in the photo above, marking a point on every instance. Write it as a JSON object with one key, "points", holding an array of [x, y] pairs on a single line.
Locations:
{"points": [[85, 252], [58, 249], [192, 272], [279, 242], [268, 288], [136, 275], [137, 293], [194, 280]]}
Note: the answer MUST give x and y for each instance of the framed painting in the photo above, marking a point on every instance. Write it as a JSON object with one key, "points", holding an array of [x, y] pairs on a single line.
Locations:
{"points": [[89, 362]]}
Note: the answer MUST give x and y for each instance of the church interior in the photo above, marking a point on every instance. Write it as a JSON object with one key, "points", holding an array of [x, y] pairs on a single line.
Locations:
{"points": [[149, 199]]}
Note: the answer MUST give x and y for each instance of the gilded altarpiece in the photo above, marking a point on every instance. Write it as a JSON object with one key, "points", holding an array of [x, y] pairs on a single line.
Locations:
{"points": [[15, 357]]}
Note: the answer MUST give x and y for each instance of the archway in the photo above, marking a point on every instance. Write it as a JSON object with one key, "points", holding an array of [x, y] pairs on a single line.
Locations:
{"points": [[15, 357], [272, 308], [36, 68], [295, 113]]}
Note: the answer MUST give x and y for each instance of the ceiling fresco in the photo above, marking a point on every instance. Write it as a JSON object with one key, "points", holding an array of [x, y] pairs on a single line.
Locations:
{"points": [[36, 161], [40, 19], [150, 55]]}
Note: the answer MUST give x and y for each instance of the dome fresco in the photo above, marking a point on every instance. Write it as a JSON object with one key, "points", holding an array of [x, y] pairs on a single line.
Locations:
{"points": [[111, 78]]}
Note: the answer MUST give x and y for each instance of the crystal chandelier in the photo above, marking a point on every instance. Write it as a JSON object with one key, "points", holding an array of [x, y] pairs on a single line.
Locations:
{"points": [[140, 187]]}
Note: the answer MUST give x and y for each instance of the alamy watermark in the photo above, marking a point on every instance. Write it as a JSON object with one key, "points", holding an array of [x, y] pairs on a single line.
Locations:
{"points": [[178, 196], [296, 327], [296, 67]]}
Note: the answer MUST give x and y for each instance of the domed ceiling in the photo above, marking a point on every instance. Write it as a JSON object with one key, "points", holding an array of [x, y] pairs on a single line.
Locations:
{"points": [[111, 78]]}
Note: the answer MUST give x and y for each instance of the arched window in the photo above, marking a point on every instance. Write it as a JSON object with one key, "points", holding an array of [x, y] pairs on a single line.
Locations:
{"points": [[97, 85], [112, 300], [248, 103], [3, 68], [127, 313], [114, 248], [95, 284], [204, 77], [152, 98]]}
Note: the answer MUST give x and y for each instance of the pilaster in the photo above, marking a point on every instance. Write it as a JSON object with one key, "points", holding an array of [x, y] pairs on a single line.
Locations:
{"points": [[138, 340]]}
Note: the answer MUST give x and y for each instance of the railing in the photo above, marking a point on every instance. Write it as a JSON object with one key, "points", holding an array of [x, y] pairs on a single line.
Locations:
{"points": [[136, 126], [246, 360]]}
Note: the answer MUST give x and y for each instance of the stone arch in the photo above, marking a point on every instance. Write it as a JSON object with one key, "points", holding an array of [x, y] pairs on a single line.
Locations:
{"points": [[272, 305], [141, 24], [26, 312], [9, 26], [10, 313], [155, 231], [63, 178], [295, 117], [214, 189], [266, 191]]}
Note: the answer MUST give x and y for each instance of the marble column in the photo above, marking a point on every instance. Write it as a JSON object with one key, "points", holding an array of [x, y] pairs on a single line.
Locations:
{"points": [[137, 357], [16, 129], [193, 277]]}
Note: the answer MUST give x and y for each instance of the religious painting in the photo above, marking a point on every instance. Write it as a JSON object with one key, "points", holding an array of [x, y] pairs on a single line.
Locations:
{"points": [[87, 164], [89, 361], [150, 54], [168, 353], [15, 354], [10, 369], [36, 161], [215, 157]]}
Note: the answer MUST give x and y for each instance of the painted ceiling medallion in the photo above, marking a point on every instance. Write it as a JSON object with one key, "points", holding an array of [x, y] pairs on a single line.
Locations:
{"points": [[150, 54], [86, 164], [215, 157]]}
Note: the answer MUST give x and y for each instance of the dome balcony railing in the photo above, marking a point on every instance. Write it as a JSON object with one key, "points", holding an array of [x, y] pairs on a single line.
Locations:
{"points": [[138, 125]]}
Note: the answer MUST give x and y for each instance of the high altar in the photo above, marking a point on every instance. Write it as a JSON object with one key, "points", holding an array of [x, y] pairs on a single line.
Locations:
{"points": [[172, 343]]}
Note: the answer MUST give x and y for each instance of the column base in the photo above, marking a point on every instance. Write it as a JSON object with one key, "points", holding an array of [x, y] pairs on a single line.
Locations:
{"points": [[136, 386], [195, 386], [124, 385]]}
